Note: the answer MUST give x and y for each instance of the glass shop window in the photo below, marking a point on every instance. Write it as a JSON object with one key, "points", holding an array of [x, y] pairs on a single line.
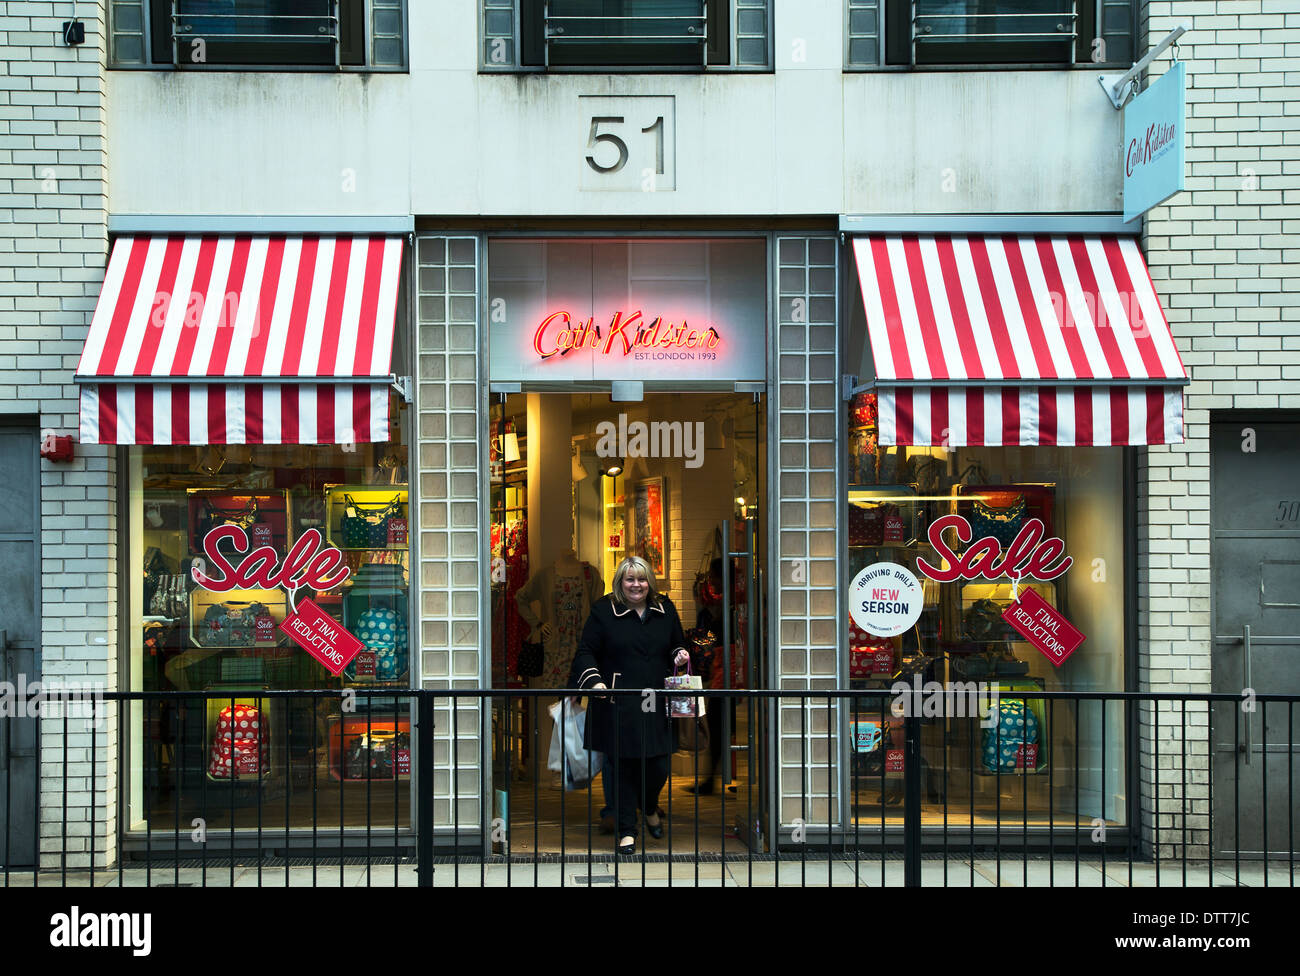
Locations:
{"points": [[1002, 749], [243, 758]]}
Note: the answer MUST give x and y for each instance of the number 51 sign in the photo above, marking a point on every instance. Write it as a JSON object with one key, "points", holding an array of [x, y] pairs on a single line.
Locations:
{"points": [[628, 143]]}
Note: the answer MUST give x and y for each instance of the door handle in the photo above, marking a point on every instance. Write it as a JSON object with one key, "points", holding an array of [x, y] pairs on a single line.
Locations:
{"points": [[1246, 682], [5, 722]]}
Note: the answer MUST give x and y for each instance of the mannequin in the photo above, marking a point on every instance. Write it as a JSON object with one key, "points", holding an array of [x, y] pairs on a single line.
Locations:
{"points": [[555, 603]]}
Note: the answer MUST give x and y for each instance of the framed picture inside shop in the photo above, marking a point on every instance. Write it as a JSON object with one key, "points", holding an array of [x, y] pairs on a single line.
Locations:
{"points": [[649, 539]]}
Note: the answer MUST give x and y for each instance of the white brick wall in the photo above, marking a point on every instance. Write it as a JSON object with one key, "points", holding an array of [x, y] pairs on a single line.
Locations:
{"points": [[1218, 253], [52, 255]]}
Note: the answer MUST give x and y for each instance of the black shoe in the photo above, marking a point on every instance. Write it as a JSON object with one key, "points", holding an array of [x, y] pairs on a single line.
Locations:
{"points": [[627, 850], [701, 789], [655, 830]]}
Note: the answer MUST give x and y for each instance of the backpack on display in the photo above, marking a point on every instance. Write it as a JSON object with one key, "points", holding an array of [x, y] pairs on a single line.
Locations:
{"points": [[384, 633], [240, 745], [1013, 743]]}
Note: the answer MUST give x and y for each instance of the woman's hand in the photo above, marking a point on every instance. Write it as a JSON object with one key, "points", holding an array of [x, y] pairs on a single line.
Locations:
{"points": [[598, 686], [681, 659]]}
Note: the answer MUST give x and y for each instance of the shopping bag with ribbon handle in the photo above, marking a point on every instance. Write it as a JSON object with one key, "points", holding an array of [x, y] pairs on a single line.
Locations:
{"points": [[684, 706]]}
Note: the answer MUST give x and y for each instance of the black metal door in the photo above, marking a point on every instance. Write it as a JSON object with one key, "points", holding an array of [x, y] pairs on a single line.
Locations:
{"points": [[1255, 561], [20, 658]]}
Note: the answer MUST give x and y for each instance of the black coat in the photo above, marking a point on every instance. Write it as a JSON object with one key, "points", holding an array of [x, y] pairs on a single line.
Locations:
{"points": [[625, 650]]}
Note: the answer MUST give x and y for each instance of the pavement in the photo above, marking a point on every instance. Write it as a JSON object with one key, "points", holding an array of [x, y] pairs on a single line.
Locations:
{"points": [[740, 872]]}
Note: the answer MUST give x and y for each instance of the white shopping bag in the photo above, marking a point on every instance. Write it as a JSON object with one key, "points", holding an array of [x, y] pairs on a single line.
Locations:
{"points": [[568, 754]]}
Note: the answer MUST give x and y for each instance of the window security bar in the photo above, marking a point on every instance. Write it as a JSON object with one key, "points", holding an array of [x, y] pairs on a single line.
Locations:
{"points": [[193, 26], [685, 27], [1067, 28]]}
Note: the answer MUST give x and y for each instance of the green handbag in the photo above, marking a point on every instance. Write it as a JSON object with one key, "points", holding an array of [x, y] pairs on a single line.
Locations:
{"points": [[365, 524]]}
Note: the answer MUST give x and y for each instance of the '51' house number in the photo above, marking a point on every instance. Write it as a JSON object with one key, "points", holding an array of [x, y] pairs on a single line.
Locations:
{"points": [[629, 143]]}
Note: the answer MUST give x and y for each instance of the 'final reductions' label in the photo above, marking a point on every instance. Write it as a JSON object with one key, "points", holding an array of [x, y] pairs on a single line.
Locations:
{"points": [[885, 599], [1043, 627], [321, 636]]}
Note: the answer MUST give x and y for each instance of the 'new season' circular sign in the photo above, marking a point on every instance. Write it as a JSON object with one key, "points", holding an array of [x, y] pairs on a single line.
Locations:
{"points": [[885, 599]]}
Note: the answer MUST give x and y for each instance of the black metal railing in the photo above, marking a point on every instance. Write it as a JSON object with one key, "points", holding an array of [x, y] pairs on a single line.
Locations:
{"points": [[933, 785]]}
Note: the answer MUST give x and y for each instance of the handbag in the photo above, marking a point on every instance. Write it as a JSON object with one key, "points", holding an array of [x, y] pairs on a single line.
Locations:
{"points": [[707, 593], [214, 516], [703, 645], [377, 754], [365, 524], [231, 624], [1001, 521], [531, 658], [984, 624], [866, 525], [684, 706]]}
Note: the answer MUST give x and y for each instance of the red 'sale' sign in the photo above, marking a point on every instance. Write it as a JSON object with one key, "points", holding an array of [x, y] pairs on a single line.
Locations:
{"points": [[321, 636], [1043, 626], [1028, 555]]}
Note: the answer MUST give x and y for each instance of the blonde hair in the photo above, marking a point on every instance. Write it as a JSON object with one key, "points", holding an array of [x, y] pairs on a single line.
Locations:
{"points": [[637, 565]]}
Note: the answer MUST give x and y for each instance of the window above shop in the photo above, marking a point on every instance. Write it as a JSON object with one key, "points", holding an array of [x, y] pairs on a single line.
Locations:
{"points": [[276, 34], [619, 35], [988, 33]]}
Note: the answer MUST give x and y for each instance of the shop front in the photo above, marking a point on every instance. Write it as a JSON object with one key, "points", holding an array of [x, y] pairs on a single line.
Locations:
{"points": [[1004, 386], [764, 417], [265, 502]]}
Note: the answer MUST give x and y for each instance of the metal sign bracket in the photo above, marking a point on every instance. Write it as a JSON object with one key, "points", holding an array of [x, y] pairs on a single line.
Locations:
{"points": [[1117, 87]]}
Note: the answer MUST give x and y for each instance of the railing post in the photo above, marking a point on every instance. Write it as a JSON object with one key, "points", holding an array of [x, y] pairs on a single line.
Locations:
{"points": [[911, 800], [424, 788]]}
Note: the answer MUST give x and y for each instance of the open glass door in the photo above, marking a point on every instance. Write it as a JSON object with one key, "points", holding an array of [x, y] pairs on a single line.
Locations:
{"points": [[579, 482]]}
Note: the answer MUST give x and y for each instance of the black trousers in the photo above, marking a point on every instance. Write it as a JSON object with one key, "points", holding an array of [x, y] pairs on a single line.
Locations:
{"points": [[636, 784]]}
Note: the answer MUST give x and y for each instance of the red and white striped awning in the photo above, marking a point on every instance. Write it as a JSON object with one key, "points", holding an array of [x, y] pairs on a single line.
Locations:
{"points": [[242, 340], [1018, 340]]}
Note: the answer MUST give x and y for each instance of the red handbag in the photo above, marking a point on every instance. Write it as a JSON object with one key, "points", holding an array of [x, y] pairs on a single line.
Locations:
{"points": [[866, 525], [863, 410]]}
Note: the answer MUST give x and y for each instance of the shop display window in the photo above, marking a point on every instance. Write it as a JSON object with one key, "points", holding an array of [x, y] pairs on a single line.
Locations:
{"points": [[223, 757], [1006, 750]]}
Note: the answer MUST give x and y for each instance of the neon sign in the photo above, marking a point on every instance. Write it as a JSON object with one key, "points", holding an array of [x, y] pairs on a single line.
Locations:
{"points": [[560, 334], [1029, 555]]}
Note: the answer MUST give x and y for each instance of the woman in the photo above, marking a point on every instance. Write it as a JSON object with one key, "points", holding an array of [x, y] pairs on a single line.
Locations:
{"points": [[633, 639]]}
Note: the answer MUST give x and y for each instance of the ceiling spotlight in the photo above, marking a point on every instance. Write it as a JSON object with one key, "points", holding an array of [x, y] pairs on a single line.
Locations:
{"points": [[613, 469]]}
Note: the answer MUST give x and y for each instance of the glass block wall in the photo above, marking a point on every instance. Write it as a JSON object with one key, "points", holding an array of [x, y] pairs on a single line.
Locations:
{"points": [[448, 403], [808, 408]]}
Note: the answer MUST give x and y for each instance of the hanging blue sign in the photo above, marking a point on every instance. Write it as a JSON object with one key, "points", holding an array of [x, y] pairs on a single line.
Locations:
{"points": [[1154, 143]]}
